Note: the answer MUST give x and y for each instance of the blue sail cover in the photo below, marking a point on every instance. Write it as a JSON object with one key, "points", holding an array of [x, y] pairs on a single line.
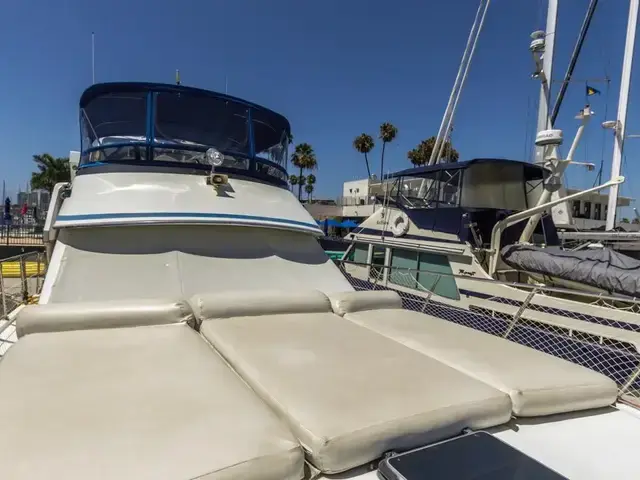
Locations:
{"points": [[602, 268]]}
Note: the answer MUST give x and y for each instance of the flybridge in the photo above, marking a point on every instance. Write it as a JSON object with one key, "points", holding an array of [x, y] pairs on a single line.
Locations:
{"points": [[134, 126], [155, 154]]}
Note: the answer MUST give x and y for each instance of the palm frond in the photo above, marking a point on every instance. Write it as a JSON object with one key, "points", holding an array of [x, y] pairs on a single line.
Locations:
{"points": [[363, 143], [422, 153], [304, 157], [388, 132], [50, 171]]}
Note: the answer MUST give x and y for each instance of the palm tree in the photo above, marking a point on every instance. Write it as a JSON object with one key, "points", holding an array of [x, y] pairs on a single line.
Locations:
{"points": [[309, 189], [311, 181], [293, 180], [50, 171], [305, 159], [450, 153], [422, 153], [364, 144], [415, 157], [388, 133]]}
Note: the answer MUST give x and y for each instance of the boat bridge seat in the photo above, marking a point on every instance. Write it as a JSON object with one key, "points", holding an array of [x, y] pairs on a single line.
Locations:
{"points": [[153, 402], [58, 317], [348, 394], [538, 383]]}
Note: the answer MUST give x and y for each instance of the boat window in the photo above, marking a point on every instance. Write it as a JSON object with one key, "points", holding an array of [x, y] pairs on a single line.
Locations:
{"points": [[377, 262], [173, 127], [404, 266], [597, 215], [497, 185], [423, 271], [271, 137], [114, 118], [205, 121], [438, 189], [587, 209], [359, 253], [575, 208], [116, 153]]}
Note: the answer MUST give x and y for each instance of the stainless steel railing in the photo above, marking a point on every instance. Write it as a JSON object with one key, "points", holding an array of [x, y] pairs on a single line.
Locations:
{"points": [[21, 279]]}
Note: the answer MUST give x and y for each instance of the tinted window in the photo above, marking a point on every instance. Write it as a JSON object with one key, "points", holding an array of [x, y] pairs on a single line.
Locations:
{"points": [[423, 271], [207, 121], [114, 115], [431, 267], [359, 253], [271, 136]]}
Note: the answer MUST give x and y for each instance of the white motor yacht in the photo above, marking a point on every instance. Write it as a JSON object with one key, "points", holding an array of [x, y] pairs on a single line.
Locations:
{"points": [[191, 327]]}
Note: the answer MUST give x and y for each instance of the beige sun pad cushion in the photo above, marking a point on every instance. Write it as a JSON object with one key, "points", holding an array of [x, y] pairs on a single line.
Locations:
{"points": [[135, 403], [350, 394], [538, 383]]}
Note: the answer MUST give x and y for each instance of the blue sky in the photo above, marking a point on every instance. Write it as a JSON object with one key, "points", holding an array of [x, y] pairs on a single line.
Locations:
{"points": [[334, 68]]}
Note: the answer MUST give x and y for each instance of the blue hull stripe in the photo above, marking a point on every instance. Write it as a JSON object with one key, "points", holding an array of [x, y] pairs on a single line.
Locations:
{"points": [[177, 215]]}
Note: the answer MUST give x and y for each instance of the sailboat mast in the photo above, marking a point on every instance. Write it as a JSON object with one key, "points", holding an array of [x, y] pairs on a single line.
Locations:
{"points": [[620, 124], [461, 76], [547, 67]]}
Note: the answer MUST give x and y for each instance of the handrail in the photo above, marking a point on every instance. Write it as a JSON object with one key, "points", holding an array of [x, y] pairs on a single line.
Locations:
{"points": [[499, 227], [24, 291]]}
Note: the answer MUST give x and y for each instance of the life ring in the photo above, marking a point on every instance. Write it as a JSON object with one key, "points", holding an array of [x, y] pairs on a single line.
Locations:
{"points": [[399, 225]]}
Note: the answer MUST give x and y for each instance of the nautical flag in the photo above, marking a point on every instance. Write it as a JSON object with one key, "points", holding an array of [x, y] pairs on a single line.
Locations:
{"points": [[592, 91]]}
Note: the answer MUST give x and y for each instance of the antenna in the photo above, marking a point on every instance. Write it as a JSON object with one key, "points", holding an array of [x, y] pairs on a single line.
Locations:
{"points": [[93, 57], [177, 77], [226, 84]]}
